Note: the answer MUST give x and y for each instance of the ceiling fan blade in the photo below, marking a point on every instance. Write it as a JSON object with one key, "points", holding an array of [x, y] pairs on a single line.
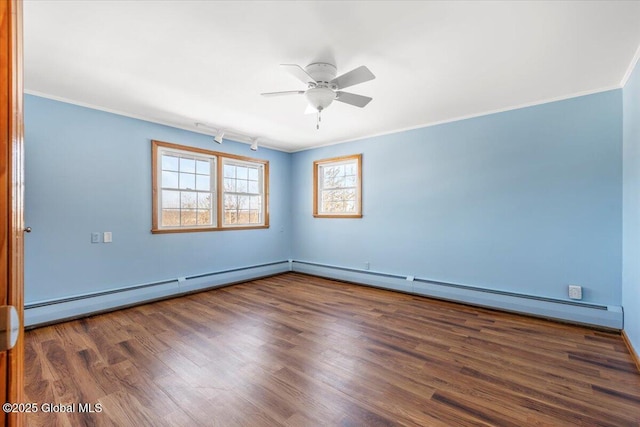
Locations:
{"points": [[299, 73], [353, 77], [286, 92], [353, 99]]}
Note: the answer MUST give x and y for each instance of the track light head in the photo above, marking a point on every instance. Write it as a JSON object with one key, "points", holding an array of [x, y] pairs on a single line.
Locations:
{"points": [[254, 144], [218, 137]]}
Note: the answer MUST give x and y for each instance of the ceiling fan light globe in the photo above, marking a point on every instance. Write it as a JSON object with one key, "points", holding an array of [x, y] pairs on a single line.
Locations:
{"points": [[320, 97]]}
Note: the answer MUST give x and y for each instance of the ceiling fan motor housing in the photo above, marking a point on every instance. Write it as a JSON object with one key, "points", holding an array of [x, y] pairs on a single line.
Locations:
{"points": [[322, 72]]}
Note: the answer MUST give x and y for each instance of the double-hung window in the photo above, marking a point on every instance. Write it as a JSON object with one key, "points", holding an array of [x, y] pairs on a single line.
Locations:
{"points": [[243, 193], [337, 185], [201, 190], [187, 192]]}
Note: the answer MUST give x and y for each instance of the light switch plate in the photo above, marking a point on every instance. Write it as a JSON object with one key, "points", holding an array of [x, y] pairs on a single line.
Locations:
{"points": [[107, 237], [95, 237]]}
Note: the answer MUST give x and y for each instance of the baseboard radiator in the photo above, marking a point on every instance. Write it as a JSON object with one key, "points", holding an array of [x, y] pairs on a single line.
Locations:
{"points": [[55, 310], [605, 316]]}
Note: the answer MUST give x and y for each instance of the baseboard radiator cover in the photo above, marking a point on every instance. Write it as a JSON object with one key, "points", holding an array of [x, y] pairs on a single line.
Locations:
{"points": [[59, 309], [605, 316]]}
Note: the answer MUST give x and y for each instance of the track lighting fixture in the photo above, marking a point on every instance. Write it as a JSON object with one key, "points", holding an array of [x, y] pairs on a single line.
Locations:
{"points": [[218, 137], [220, 133]]}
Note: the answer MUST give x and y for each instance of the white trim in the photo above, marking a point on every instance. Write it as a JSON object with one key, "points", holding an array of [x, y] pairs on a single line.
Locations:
{"points": [[341, 141], [213, 173], [588, 314], [470, 116], [230, 135], [320, 188], [262, 192], [114, 299], [630, 68]]}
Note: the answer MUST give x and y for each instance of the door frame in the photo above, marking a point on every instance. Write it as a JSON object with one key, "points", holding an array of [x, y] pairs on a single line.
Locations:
{"points": [[12, 199]]}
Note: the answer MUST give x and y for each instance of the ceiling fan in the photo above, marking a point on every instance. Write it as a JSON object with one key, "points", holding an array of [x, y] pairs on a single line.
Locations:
{"points": [[323, 87]]}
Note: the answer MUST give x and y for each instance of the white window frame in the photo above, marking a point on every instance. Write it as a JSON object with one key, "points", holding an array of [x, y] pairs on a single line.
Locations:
{"points": [[212, 160], [216, 167], [318, 182], [261, 192]]}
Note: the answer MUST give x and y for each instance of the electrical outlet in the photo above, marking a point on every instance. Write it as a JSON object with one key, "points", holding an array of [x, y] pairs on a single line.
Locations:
{"points": [[95, 237], [575, 292], [366, 265], [107, 237]]}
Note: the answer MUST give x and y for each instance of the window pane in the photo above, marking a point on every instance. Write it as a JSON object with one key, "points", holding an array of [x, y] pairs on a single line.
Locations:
{"points": [[169, 179], [204, 200], [229, 171], [204, 217], [170, 217], [169, 163], [254, 217], [188, 217], [187, 200], [351, 169], [203, 167], [187, 165], [241, 186], [242, 172], [229, 185], [243, 217], [230, 201], [350, 181], [230, 217], [170, 199], [255, 202], [187, 181], [243, 202], [329, 195], [253, 174], [349, 194], [350, 207], [253, 187], [203, 182]]}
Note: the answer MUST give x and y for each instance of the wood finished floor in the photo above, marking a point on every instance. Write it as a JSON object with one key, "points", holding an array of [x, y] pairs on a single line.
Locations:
{"points": [[303, 351]]}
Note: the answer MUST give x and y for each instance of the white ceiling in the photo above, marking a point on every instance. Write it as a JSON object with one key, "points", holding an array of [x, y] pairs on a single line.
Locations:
{"points": [[181, 62]]}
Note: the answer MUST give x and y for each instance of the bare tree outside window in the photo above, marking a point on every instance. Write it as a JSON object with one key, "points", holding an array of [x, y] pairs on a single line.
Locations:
{"points": [[337, 187], [201, 190]]}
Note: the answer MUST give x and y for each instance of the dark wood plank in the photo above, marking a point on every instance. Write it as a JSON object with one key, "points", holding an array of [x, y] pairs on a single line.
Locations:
{"points": [[299, 350]]}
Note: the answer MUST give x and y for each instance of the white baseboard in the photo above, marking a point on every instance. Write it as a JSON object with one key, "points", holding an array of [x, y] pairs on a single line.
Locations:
{"points": [[50, 311], [44, 312], [584, 313]]}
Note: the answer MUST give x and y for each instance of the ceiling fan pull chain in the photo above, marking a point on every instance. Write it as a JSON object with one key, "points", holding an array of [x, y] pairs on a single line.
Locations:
{"points": [[319, 120]]}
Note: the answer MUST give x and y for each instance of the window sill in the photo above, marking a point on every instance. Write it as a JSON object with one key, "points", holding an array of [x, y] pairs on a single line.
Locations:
{"points": [[197, 230], [337, 216]]}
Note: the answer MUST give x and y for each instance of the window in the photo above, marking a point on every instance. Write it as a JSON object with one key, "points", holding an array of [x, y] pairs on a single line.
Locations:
{"points": [[187, 189], [191, 186], [337, 185], [243, 190]]}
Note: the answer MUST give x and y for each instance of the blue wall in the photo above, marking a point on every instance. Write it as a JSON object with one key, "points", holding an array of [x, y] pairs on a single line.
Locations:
{"points": [[90, 171], [525, 201], [631, 211]]}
